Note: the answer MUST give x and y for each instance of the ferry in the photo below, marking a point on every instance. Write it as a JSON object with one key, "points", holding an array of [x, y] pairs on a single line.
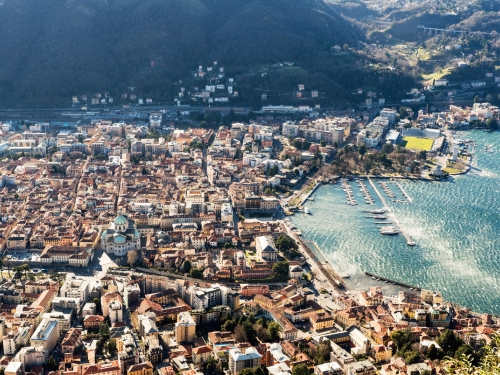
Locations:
{"points": [[389, 231]]}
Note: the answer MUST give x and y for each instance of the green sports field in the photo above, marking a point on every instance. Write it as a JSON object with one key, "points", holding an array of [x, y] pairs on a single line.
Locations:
{"points": [[416, 143]]}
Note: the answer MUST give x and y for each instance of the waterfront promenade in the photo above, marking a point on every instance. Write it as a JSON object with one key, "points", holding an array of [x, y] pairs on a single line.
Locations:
{"points": [[324, 275]]}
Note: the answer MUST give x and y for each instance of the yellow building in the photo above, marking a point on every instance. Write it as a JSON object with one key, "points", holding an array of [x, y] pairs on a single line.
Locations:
{"points": [[145, 368], [321, 321], [345, 318]]}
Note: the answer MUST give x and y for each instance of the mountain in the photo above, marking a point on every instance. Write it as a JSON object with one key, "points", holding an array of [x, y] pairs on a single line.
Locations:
{"points": [[52, 49]]}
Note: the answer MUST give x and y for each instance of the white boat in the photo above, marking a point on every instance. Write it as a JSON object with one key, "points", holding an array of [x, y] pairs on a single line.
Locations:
{"points": [[388, 231], [306, 210], [378, 212]]}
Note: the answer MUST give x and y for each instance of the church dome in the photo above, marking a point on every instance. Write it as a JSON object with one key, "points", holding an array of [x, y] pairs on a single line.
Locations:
{"points": [[120, 219], [119, 239]]}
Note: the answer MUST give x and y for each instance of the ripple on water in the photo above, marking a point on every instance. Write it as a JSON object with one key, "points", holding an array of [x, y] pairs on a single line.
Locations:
{"points": [[454, 223]]}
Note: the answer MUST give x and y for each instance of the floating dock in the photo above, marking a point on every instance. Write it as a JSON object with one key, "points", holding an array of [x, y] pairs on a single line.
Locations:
{"points": [[409, 240], [393, 281]]}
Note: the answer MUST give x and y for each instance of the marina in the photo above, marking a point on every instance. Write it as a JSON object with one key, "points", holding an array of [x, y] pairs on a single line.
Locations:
{"points": [[367, 196], [349, 193], [458, 250]]}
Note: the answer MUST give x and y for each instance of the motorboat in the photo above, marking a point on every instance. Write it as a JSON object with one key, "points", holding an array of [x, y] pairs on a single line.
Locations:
{"points": [[388, 231]]}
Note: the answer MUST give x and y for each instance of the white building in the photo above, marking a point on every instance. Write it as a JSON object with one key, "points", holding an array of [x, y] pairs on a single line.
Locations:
{"points": [[290, 129], [75, 287], [32, 356], [295, 272], [391, 114], [14, 368], [226, 213], [46, 335], [89, 309], [67, 302], [13, 339], [121, 236], [63, 317], [266, 250], [243, 358], [331, 368], [112, 306]]}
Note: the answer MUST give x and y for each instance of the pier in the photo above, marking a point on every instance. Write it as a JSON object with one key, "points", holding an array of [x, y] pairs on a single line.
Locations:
{"points": [[409, 240], [393, 281], [405, 194]]}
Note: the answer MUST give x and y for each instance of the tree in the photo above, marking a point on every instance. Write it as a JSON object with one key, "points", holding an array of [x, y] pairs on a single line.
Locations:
{"points": [[362, 149], [144, 170], [274, 330], [477, 99], [422, 155], [81, 138], [112, 346], [104, 332], [464, 350], [432, 353], [132, 257], [401, 338], [17, 274], [322, 143], [489, 365], [323, 352], [403, 112], [186, 266], [250, 332], [246, 371], [449, 342], [228, 325], [411, 357], [280, 271], [268, 191], [273, 171], [97, 303], [300, 369], [492, 123], [52, 364], [196, 273], [285, 243], [239, 334], [388, 148], [25, 268], [210, 364]]}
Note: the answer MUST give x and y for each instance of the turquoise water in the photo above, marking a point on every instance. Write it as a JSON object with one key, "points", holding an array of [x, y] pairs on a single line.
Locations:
{"points": [[456, 225]]}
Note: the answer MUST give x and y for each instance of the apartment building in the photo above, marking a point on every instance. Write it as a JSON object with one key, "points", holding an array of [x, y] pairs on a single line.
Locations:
{"points": [[46, 335], [185, 328]]}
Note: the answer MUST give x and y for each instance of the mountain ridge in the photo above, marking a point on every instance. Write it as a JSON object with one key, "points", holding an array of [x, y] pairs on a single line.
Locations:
{"points": [[58, 48]]}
